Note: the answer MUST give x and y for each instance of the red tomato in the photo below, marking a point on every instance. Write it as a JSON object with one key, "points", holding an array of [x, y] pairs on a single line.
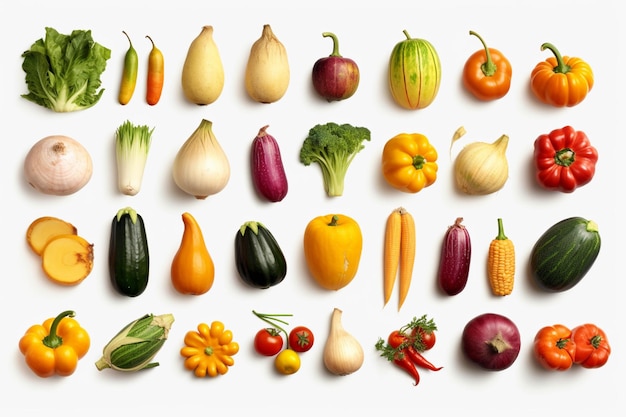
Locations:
{"points": [[268, 342], [301, 339], [427, 338], [592, 346]]}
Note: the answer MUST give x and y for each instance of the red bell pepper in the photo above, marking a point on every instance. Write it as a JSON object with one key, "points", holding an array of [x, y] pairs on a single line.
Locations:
{"points": [[564, 159]]}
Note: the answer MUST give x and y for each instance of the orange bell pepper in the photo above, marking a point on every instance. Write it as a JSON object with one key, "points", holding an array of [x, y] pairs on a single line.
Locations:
{"points": [[487, 73], [409, 162], [554, 347], [561, 81], [55, 346]]}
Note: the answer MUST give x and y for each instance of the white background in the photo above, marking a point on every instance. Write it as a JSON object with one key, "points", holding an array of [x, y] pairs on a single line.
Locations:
{"points": [[367, 34]]}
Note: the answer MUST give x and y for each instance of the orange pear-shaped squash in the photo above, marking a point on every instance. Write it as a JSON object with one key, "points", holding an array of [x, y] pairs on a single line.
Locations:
{"points": [[192, 271]]}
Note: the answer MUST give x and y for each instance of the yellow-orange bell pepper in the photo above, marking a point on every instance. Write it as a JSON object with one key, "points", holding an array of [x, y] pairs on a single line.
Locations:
{"points": [[409, 162], [54, 347], [209, 351]]}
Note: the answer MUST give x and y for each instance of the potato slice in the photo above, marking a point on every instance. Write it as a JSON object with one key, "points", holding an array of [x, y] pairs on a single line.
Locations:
{"points": [[67, 259], [43, 229]]}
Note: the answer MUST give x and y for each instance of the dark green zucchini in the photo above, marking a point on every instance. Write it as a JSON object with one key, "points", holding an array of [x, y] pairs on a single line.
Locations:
{"points": [[259, 259], [129, 259], [563, 255]]}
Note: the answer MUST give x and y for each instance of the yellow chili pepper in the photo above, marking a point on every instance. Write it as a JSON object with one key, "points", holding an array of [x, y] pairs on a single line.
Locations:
{"points": [[409, 162], [129, 75], [209, 351], [55, 346]]}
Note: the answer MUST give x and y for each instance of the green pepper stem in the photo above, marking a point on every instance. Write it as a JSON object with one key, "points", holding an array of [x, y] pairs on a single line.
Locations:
{"points": [[335, 43], [53, 340], [561, 67], [272, 320], [488, 67]]}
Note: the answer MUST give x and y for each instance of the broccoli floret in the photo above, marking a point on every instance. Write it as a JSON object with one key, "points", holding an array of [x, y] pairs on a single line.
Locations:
{"points": [[333, 147]]}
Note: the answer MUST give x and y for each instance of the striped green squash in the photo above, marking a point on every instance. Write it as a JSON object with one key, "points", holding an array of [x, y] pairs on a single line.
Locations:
{"points": [[563, 255], [414, 73]]}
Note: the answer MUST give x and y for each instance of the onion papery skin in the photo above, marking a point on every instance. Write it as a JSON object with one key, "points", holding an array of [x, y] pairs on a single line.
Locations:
{"points": [[58, 165], [483, 334]]}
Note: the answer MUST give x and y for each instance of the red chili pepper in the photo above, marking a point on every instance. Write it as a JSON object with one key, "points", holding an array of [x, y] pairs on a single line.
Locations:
{"points": [[419, 360], [402, 360], [564, 159]]}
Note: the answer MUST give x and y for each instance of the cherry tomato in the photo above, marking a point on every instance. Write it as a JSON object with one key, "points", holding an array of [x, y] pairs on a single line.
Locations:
{"points": [[287, 362], [301, 339], [428, 338], [268, 342]]}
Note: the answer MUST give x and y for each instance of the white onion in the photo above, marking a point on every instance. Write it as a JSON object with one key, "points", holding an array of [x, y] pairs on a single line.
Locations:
{"points": [[58, 165]]}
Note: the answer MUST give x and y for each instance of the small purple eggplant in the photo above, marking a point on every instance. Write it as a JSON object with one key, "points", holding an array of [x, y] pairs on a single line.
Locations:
{"points": [[455, 258], [335, 77], [268, 172]]}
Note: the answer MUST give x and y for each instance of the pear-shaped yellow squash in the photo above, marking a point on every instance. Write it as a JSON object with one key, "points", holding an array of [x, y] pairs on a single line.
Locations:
{"points": [[267, 70], [193, 271], [203, 71]]}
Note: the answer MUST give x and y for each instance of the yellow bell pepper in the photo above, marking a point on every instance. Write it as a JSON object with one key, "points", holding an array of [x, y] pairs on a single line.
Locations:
{"points": [[409, 162], [209, 351], [55, 346]]}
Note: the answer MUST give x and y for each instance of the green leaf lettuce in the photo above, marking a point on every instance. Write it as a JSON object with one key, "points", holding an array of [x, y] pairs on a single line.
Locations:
{"points": [[63, 71]]}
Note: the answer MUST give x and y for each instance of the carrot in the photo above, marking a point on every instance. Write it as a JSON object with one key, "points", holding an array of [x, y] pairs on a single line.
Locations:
{"points": [[391, 260], [501, 263], [407, 254], [156, 75], [129, 75]]}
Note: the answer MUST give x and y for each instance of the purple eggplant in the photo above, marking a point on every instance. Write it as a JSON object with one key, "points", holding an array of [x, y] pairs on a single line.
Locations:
{"points": [[268, 172], [455, 258]]}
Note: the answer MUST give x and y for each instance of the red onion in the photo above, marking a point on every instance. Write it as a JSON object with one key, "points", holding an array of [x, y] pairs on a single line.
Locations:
{"points": [[492, 341]]}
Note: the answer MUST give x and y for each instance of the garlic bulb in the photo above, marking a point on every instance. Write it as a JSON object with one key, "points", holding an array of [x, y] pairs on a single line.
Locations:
{"points": [[482, 168], [267, 71], [343, 354], [58, 165], [201, 167]]}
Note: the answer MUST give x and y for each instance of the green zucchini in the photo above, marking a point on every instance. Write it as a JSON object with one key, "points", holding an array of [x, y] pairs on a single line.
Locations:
{"points": [[260, 260], [129, 259], [563, 255]]}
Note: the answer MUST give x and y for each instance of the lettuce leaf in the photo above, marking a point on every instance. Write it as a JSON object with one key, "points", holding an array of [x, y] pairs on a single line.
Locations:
{"points": [[63, 71]]}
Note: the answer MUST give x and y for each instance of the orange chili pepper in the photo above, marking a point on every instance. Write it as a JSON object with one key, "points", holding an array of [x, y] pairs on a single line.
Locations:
{"points": [[156, 75], [487, 73]]}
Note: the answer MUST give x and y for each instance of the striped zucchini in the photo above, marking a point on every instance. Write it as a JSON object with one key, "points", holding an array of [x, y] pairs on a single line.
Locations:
{"points": [[563, 255], [129, 259], [136, 345], [414, 73]]}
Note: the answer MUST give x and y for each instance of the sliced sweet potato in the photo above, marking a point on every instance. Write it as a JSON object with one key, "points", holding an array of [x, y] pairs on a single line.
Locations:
{"points": [[43, 229], [67, 259]]}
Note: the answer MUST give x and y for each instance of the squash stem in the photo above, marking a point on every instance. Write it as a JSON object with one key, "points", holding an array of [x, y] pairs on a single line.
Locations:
{"points": [[561, 67]]}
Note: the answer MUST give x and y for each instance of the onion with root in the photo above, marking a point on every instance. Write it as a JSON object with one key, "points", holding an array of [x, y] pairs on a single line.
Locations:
{"points": [[58, 165]]}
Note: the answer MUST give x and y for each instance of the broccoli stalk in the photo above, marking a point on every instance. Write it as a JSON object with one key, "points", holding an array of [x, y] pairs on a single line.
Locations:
{"points": [[333, 147]]}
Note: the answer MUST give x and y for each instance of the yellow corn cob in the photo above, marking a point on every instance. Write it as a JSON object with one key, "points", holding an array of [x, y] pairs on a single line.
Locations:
{"points": [[501, 263]]}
